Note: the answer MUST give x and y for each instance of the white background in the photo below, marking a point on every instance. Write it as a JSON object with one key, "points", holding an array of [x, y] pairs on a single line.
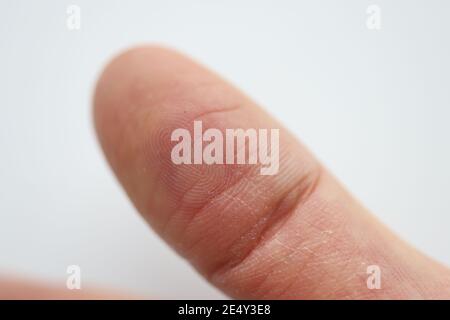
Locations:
{"points": [[373, 105]]}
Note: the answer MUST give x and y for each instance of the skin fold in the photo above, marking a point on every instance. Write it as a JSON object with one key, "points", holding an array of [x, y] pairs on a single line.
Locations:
{"points": [[295, 235]]}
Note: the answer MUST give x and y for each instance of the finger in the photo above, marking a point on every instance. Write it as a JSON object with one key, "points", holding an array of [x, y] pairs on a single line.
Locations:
{"points": [[294, 234], [14, 288]]}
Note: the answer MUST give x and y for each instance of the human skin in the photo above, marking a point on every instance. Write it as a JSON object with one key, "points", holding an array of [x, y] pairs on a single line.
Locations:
{"points": [[294, 235]]}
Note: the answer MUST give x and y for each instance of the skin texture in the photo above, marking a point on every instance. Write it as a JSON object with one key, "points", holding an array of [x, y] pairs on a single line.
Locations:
{"points": [[294, 235]]}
